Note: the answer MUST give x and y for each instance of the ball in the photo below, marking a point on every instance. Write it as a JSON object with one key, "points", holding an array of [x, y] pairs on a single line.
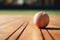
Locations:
{"points": [[41, 19]]}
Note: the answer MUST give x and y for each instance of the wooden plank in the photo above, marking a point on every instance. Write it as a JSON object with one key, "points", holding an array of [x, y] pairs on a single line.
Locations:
{"points": [[31, 33], [8, 29], [4, 19], [55, 34], [18, 33], [54, 27], [46, 35]]}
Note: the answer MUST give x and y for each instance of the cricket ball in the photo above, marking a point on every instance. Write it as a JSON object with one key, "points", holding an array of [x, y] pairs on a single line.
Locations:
{"points": [[41, 19]]}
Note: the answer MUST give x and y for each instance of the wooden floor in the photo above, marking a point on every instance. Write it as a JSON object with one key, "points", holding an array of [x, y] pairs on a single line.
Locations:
{"points": [[18, 27]]}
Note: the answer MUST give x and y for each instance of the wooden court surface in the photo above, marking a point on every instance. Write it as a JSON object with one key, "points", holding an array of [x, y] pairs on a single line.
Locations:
{"points": [[19, 27]]}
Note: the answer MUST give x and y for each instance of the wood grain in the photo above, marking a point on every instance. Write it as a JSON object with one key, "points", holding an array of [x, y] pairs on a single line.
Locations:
{"points": [[18, 27]]}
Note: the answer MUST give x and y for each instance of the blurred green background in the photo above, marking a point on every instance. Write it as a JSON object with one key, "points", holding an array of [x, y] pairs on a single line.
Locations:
{"points": [[29, 7], [28, 12]]}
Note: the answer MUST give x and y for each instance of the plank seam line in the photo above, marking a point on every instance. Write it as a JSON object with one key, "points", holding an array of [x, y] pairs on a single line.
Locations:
{"points": [[50, 35], [15, 31], [22, 31], [42, 34]]}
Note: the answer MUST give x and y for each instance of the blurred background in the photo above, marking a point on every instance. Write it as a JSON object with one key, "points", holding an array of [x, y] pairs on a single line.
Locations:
{"points": [[29, 4]]}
